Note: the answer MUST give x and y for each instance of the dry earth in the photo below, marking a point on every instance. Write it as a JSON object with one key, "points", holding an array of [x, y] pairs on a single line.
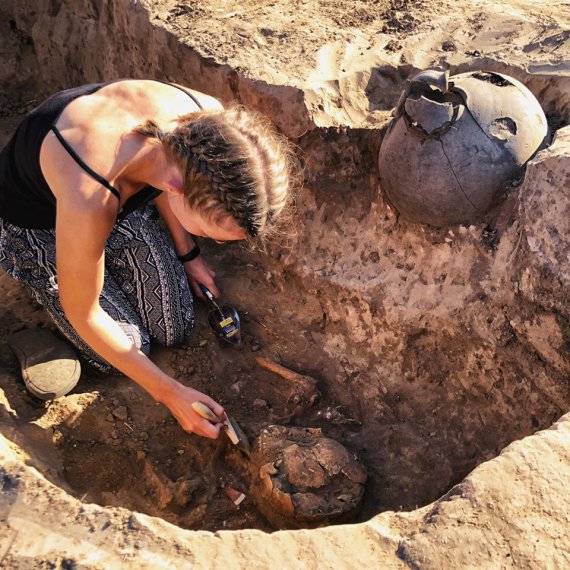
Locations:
{"points": [[433, 349]]}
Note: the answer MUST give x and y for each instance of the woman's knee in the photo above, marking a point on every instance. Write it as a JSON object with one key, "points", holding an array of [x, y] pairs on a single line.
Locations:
{"points": [[173, 329], [163, 299]]}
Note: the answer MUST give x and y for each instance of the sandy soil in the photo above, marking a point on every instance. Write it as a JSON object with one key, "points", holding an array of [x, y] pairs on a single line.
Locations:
{"points": [[433, 349]]}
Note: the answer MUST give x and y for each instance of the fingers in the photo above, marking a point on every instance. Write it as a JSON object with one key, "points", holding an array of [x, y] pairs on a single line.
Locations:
{"points": [[213, 288], [207, 279], [195, 423], [216, 408], [181, 402], [207, 429], [209, 283], [204, 427], [196, 289]]}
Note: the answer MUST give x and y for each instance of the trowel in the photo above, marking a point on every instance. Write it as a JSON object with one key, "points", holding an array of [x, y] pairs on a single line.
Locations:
{"points": [[231, 427], [224, 319]]}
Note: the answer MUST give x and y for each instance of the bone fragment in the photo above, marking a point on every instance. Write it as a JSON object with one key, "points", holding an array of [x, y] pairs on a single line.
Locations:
{"points": [[285, 372]]}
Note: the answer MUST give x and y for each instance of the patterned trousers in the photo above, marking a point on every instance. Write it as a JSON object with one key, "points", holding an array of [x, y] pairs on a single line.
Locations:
{"points": [[145, 289]]}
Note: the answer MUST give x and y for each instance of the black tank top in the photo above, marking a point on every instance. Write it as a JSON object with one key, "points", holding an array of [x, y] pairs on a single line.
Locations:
{"points": [[26, 199]]}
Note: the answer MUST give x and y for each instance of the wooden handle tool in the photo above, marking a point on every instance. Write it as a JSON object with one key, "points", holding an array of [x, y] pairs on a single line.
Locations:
{"points": [[231, 427]]}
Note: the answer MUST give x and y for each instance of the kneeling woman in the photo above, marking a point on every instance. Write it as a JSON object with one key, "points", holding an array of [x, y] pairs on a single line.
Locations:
{"points": [[77, 225]]}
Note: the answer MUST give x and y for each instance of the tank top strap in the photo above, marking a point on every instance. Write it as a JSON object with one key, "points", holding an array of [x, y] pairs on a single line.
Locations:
{"points": [[87, 168], [180, 88], [82, 164]]}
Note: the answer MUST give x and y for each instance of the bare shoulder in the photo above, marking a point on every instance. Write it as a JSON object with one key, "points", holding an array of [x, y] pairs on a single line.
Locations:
{"points": [[125, 102], [144, 94], [206, 101], [95, 127], [71, 184]]}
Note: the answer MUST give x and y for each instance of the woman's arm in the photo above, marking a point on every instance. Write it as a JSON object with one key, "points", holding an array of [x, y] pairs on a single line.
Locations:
{"points": [[81, 233], [197, 270]]}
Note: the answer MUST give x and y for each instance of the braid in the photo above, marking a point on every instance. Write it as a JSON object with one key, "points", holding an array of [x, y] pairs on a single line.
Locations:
{"points": [[277, 162], [233, 162], [221, 175]]}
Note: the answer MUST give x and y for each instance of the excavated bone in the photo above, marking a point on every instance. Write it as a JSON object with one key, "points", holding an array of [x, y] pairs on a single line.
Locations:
{"points": [[300, 478]]}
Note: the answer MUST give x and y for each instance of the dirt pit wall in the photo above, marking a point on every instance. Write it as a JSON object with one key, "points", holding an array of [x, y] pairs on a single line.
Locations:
{"points": [[433, 348]]}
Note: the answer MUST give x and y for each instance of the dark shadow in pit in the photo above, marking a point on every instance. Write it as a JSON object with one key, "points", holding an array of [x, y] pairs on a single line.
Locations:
{"points": [[420, 419]]}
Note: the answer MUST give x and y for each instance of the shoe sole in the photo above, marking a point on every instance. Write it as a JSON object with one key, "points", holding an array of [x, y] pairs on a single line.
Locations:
{"points": [[50, 367]]}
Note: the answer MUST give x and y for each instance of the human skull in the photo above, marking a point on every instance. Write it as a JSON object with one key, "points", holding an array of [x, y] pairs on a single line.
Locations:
{"points": [[455, 142], [303, 479]]}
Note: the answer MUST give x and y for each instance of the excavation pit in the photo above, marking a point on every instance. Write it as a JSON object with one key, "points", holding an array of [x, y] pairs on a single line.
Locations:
{"points": [[432, 349], [421, 399]]}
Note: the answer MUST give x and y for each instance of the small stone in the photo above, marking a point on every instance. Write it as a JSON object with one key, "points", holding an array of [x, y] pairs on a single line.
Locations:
{"points": [[117, 442], [203, 343], [121, 413], [141, 454], [374, 257], [110, 418], [259, 403], [180, 452], [144, 436], [255, 347], [234, 495]]}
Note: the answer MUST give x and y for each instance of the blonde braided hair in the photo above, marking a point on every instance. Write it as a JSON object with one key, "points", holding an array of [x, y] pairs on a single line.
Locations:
{"points": [[233, 162]]}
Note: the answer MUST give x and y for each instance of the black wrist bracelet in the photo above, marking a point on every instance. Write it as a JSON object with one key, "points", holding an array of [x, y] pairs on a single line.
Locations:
{"points": [[192, 254]]}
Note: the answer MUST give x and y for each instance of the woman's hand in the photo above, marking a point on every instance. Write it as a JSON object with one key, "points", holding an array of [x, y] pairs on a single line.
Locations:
{"points": [[200, 273], [179, 401]]}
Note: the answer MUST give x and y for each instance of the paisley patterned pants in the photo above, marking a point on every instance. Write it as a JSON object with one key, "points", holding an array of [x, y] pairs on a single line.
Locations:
{"points": [[145, 290]]}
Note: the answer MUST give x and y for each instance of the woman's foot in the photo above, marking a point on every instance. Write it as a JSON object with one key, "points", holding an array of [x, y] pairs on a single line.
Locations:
{"points": [[50, 367]]}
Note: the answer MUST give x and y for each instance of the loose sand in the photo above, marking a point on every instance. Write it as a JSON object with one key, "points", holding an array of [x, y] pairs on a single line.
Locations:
{"points": [[433, 349]]}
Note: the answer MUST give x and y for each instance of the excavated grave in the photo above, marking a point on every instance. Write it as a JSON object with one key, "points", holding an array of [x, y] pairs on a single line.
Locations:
{"points": [[433, 349]]}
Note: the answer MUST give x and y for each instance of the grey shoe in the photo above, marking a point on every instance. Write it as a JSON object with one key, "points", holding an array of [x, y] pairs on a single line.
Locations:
{"points": [[50, 367]]}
